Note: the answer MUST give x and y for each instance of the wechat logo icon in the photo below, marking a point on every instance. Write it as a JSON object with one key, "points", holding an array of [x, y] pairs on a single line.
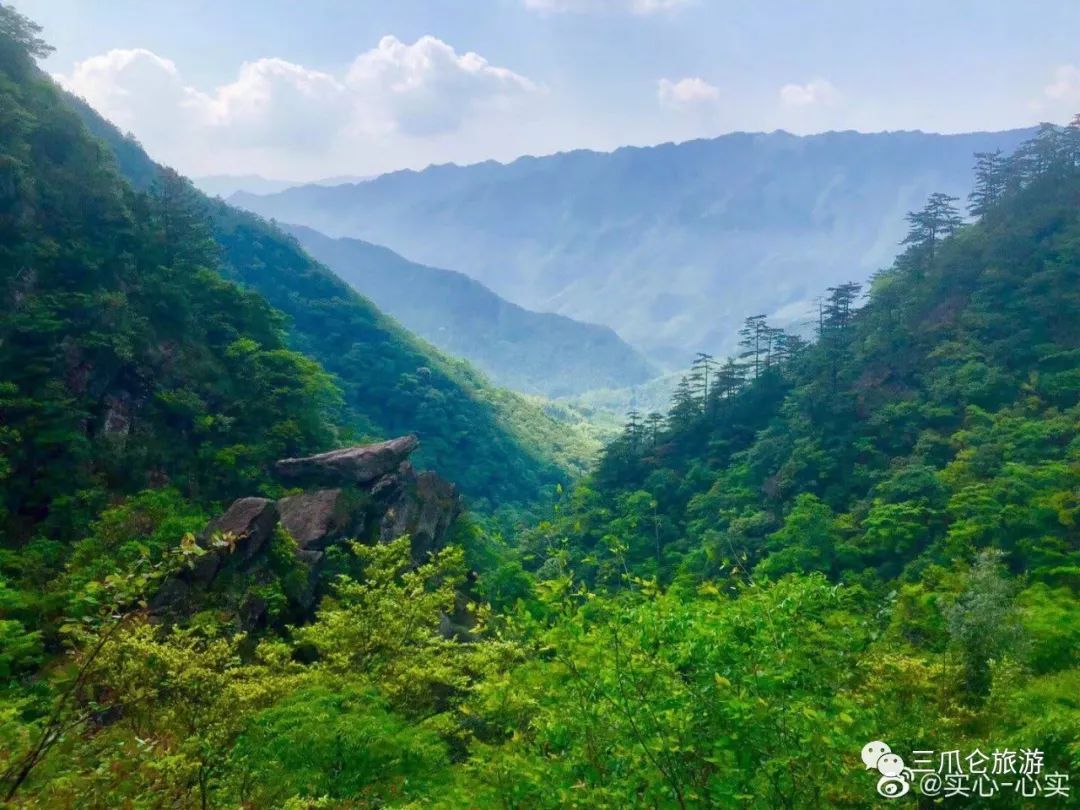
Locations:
{"points": [[895, 777]]}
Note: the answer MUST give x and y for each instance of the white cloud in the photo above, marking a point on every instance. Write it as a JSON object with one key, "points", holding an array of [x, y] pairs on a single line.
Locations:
{"points": [[690, 92], [278, 107], [278, 103], [137, 89], [1060, 99], [427, 88], [641, 7], [815, 93]]}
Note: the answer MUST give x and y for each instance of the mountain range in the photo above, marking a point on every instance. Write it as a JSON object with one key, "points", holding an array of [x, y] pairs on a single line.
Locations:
{"points": [[222, 185], [672, 245], [531, 352]]}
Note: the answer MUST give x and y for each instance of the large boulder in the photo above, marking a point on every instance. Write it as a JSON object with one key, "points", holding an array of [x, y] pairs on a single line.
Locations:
{"points": [[249, 523], [349, 465], [319, 518], [425, 506]]}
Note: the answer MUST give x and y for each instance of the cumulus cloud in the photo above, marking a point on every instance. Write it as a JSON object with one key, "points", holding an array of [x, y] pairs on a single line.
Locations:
{"points": [[418, 90], [137, 89], [1061, 98], [641, 7], [690, 92], [427, 88], [815, 93]]}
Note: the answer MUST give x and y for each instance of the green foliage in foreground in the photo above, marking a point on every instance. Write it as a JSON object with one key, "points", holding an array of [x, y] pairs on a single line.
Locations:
{"points": [[754, 695]]}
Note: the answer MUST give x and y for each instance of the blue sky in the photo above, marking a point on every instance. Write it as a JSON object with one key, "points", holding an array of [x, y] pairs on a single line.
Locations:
{"points": [[301, 90]]}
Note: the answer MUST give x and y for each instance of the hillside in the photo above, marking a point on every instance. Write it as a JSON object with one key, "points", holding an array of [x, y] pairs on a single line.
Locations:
{"points": [[125, 360], [497, 446], [670, 246], [531, 352]]}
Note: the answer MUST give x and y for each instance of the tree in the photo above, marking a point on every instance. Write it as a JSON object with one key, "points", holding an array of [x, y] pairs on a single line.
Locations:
{"points": [[182, 224], [633, 429], [729, 378], [753, 341], [983, 622], [21, 31], [654, 423], [836, 314], [703, 364], [937, 219], [990, 182], [684, 407]]}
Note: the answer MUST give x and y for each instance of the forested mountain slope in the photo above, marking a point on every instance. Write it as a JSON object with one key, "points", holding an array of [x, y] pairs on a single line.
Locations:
{"points": [[531, 352], [671, 245], [494, 444], [125, 360], [911, 422]]}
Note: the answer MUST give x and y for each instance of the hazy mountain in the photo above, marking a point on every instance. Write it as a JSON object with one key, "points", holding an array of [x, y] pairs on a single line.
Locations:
{"points": [[532, 352], [672, 245], [223, 185]]}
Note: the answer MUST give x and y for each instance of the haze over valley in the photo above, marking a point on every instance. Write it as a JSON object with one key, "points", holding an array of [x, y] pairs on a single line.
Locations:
{"points": [[670, 246]]}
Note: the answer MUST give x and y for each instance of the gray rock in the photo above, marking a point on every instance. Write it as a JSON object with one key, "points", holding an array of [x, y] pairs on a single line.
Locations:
{"points": [[250, 521], [319, 518], [425, 508], [349, 465]]}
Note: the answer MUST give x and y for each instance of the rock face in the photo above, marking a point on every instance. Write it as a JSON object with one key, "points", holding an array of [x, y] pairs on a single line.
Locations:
{"points": [[250, 522], [349, 465], [317, 519], [369, 493], [424, 509]]}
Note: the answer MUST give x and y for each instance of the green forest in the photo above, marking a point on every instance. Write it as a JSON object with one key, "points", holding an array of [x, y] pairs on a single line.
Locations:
{"points": [[866, 532]]}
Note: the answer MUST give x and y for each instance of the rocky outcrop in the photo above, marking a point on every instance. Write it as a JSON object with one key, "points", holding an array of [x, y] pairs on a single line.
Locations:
{"points": [[369, 493], [424, 509], [317, 519], [246, 526], [349, 465]]}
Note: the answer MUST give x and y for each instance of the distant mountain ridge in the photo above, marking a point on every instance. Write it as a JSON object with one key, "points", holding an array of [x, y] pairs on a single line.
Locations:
{"points": [[222, 185], [670, 245], [531, 352]]}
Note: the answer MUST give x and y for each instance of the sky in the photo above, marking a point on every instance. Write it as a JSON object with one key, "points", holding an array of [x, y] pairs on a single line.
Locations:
{"points": [[301, 90]]}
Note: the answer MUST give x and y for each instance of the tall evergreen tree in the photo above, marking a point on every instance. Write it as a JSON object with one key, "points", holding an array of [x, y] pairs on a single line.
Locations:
{"points": [[990, 182], [752, 341], [704, 363], [936, 220]]}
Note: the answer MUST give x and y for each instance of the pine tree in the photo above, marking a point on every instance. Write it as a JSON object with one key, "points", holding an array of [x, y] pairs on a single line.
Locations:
{"points": [[704, 363], [182, 224], [990, 182], [632, 430], [937, 219], [729, 379], [684, 407], [752, 342], [654, 423], [836, 315]]}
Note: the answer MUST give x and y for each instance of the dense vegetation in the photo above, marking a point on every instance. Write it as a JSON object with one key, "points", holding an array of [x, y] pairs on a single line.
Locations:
{"points": [[124, 359], [531, 352], [497, 446], [868, 536]]}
